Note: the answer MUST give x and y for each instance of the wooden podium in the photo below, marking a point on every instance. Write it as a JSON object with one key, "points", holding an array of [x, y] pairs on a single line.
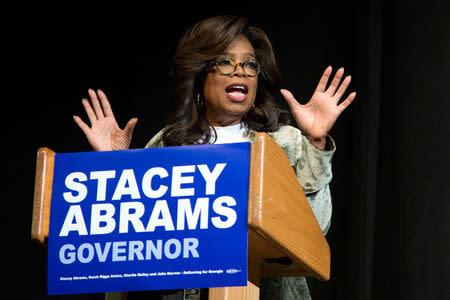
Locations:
{"points": [[284, 238]]}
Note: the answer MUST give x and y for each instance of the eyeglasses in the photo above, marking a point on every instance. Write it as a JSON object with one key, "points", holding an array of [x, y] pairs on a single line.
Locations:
{"points": [[227, 65]]}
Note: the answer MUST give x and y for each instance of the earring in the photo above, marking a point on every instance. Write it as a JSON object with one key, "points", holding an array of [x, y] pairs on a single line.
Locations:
{"points": [[199, 101]]}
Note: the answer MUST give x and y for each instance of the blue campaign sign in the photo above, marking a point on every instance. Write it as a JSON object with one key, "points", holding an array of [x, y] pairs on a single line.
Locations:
{"points": [[149, 219]]}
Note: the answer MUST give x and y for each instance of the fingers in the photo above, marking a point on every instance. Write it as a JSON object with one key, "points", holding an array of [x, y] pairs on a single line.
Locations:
{"points": [[342, 88], [335, 82], [289, 98], [324, 80], [347, 102], [98, 110], [130, 127], [83, 126], [105, 104], [96, 104], [89, 111]]}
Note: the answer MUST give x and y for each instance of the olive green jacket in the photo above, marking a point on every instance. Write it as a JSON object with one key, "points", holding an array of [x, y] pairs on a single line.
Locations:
{"points": [[313, 169]]}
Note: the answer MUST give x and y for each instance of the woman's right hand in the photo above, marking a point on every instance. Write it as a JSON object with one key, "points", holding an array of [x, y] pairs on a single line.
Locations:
{"points": [[104, 133]]}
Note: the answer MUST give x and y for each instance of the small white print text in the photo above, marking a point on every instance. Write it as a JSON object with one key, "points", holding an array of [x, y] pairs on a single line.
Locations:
{"points": [[140, 274]]}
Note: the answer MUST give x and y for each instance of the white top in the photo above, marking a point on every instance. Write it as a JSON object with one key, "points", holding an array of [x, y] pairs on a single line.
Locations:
{"points": [[230, 134]]}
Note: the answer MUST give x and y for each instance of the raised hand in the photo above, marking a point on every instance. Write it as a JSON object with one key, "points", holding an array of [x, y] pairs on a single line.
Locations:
{"points": [[104, 133], [316, 118]]}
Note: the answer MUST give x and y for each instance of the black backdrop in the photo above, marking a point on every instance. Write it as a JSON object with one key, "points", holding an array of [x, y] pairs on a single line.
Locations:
{"points": [[390, 229]]}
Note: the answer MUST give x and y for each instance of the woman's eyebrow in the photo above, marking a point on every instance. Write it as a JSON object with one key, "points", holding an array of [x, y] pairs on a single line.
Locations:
{"points": [[234, 55]]}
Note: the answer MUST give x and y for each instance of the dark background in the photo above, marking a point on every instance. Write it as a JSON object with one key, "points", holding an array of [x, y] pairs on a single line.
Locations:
{"points": [[390, 229]]}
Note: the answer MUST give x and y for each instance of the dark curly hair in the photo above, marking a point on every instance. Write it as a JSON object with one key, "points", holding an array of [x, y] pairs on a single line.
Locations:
{"points": [[200, 45]]}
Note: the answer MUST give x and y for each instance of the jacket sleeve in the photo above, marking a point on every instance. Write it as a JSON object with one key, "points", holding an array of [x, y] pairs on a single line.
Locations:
{"points": [[313, 169], [155, 141]]}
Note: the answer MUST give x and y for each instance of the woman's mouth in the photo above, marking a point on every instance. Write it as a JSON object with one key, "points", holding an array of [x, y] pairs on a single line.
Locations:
{"points": [[237, 92]]}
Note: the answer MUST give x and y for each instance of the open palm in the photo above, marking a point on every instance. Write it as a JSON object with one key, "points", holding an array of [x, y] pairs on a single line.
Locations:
{"points": [[316, 118], [104, 133]]}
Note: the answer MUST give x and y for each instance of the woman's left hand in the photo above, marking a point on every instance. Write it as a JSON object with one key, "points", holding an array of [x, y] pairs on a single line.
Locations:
{"points": [[316, 118]]}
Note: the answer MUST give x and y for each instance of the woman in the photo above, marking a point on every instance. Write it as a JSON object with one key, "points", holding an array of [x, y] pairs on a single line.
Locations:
{"points": [[224, 82]]}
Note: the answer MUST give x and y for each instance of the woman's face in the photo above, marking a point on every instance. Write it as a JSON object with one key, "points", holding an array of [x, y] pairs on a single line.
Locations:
{"points": [[229, 97]]}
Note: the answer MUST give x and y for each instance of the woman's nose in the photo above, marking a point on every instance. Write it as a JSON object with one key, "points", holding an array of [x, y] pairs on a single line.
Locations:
{"points": [[239, 71]]}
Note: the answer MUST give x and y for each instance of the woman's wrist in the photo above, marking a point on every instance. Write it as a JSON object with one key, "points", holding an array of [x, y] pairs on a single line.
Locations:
{"points": [[318, 142]]}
